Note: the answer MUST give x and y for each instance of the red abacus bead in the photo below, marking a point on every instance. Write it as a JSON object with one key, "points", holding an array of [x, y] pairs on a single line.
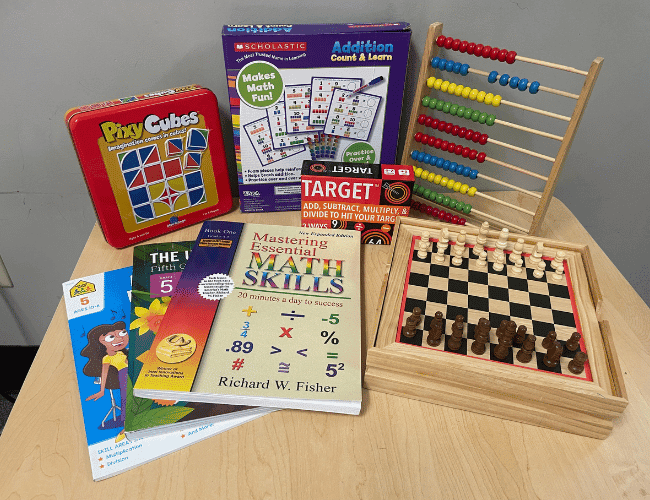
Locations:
{"points": [[448, 42], [478, 50], [468, 134], [465, 152], [502, 55], [432, 141], [510, 57], [462, 132], [455, 129], [472, 154], [434, 123], [418, 137], [435, 212], [463, 46], [422, 208], [429, 210], [483, 139], [427, 121], [444, 145], [487, 50], [495, 53], [480, 158], [455, 219], [462, 222], [425, 138], [451, 147], [441, 40], [437, 143], [448, 217], [476, 135], [449, 127], [441, 215], [421, 119], [459, 149], [441, 126], [455, 44], [471, 47]]}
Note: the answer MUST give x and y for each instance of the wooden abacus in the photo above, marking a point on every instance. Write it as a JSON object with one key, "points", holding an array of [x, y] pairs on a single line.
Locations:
{"points": [[417, 140]]}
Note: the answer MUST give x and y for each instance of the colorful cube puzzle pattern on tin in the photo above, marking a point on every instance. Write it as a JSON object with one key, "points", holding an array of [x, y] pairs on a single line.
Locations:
{"points": [[161, 186]]}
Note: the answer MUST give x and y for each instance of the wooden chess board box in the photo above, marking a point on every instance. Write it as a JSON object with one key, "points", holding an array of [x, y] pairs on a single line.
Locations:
{"points": [[584, 404]]}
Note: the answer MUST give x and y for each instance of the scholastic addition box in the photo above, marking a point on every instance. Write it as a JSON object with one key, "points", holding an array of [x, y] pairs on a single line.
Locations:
{"points": [[363, 197], [153, 163], [314, 91]]}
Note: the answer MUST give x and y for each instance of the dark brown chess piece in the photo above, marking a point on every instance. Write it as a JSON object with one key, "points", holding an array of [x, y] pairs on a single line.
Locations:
{"points": [[435, 330], [577, 364], [525, 354], [520, 336], [549, 339], [481, 336], [502, 350], [456, 339], [553, 354], [412, 323], [502, 328], [573, 344]]}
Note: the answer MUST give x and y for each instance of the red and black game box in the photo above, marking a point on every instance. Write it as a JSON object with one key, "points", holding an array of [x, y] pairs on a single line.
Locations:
{"points": [[364, 197], [153, 163]]}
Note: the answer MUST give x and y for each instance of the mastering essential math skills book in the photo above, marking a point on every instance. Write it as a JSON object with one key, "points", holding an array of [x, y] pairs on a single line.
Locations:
{"points": [[156, 270], [275, 321], [98, 310]]}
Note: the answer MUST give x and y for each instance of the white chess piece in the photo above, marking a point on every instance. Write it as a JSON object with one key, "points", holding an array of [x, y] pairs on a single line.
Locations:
{"points": [[557, 275], [459, 248], [482, 259], [538, 253], [498, 265], [541, 270], [501, 243], [422, 249], [516, 252], [440, 255], [426, 238], [518, 266], [481, 238], [443, 241], [558, 261]]}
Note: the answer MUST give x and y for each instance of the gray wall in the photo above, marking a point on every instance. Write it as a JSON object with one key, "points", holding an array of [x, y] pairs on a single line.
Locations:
{"points": [[57, 55]]}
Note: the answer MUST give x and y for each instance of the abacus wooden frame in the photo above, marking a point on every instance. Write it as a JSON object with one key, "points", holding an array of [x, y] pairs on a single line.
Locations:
{"points": [[426, 71], [501, 390]]}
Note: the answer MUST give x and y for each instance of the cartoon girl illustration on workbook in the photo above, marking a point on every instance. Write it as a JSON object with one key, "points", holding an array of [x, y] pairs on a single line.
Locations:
{"points": [[107, 359]]}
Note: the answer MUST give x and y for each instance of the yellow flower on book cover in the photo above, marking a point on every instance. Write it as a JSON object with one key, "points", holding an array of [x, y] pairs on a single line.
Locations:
{"points": [[149, 319]]}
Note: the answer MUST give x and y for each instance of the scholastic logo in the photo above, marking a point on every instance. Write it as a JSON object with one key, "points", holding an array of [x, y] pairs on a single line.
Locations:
{"points": [[270, 46]]}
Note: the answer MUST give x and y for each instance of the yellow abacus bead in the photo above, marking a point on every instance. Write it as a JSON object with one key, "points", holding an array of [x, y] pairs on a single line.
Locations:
{"points": [[444, 86], [481, 96], [430, 81], [424, 174], [488, 98], [431, 176], [464, 188], [466, 92], [496, 101], [457, 186], [471, 191], [473, 94], [459, 90], [417, 171], [444, 181], [451, 89], [437, 83], [437, 179]]}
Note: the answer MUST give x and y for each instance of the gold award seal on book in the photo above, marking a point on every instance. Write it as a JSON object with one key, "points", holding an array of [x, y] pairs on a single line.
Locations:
{"points": [[175, 348]]}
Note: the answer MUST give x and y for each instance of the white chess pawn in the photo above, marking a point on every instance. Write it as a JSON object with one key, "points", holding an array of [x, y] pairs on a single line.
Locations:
{"points": [[541, 270], [538, 253], [482, 259], [516, 252], [422, 249], [481, 238], [557, 275], [498, 265], [440, 256], [459, 248], [518, 266], [426, 238], [558, 261]]}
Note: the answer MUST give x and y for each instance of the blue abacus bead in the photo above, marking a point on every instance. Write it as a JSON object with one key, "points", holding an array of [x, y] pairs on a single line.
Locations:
{"points": [[464, 69], [453, 166], [514, 81], [435, 61], [466, 171], [442, 62], [426, 158], [420, 156], [492, 77], [457, 67], [534, 87], [440, 162], [504, 79], [446, 164], [523, 84], [414, 154], [473, 174], [449, 66]]}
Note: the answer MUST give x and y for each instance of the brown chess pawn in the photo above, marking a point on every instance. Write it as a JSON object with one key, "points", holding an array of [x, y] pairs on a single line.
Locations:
{"points": [[412, 323], [456, 339], [520, 336], [525, 354], [435, 330], [481, 336], [573, 344], [502, 328], [553, 354], [577, 364], [548, 341], [502, 350]]}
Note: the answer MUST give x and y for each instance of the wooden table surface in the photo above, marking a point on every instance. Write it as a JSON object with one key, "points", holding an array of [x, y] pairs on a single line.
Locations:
{"points": [[396, 448]]}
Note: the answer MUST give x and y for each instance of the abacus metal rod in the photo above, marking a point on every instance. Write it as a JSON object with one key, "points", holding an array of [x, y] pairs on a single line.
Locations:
{"points": [[543, 88], [530, 130], [522, 150], [551, 65]]}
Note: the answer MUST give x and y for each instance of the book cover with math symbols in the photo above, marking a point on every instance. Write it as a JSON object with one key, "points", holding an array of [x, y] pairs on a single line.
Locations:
{"points": [[156, 270], [98, 310], [273, 317]]}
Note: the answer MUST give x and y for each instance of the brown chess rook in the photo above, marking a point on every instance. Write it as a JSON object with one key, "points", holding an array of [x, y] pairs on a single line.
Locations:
{"points": [[412, 323], [435, 330], [574, 342], [525, 354], [481, 336], [520, 336], [577, 364], [548, 341], [553, 354], [456, 339]]}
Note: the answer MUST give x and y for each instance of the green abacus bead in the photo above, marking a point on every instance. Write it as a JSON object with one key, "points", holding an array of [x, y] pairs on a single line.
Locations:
{"points": [[475, 115], [460, 111], [439, 198], [460, 205], [426, 193], [439, 105], [433, 102], [468, 113], [482, 117], [446, 107], [453, 109], [452, 203], [419, 189], [467, 208], [433, 195], [445, 200], [490, 120], [425, 100]]}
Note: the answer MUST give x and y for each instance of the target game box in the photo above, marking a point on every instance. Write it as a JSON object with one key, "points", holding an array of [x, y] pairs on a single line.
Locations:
{"points": [[311, 92], [363, 197], [153, 163]]}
